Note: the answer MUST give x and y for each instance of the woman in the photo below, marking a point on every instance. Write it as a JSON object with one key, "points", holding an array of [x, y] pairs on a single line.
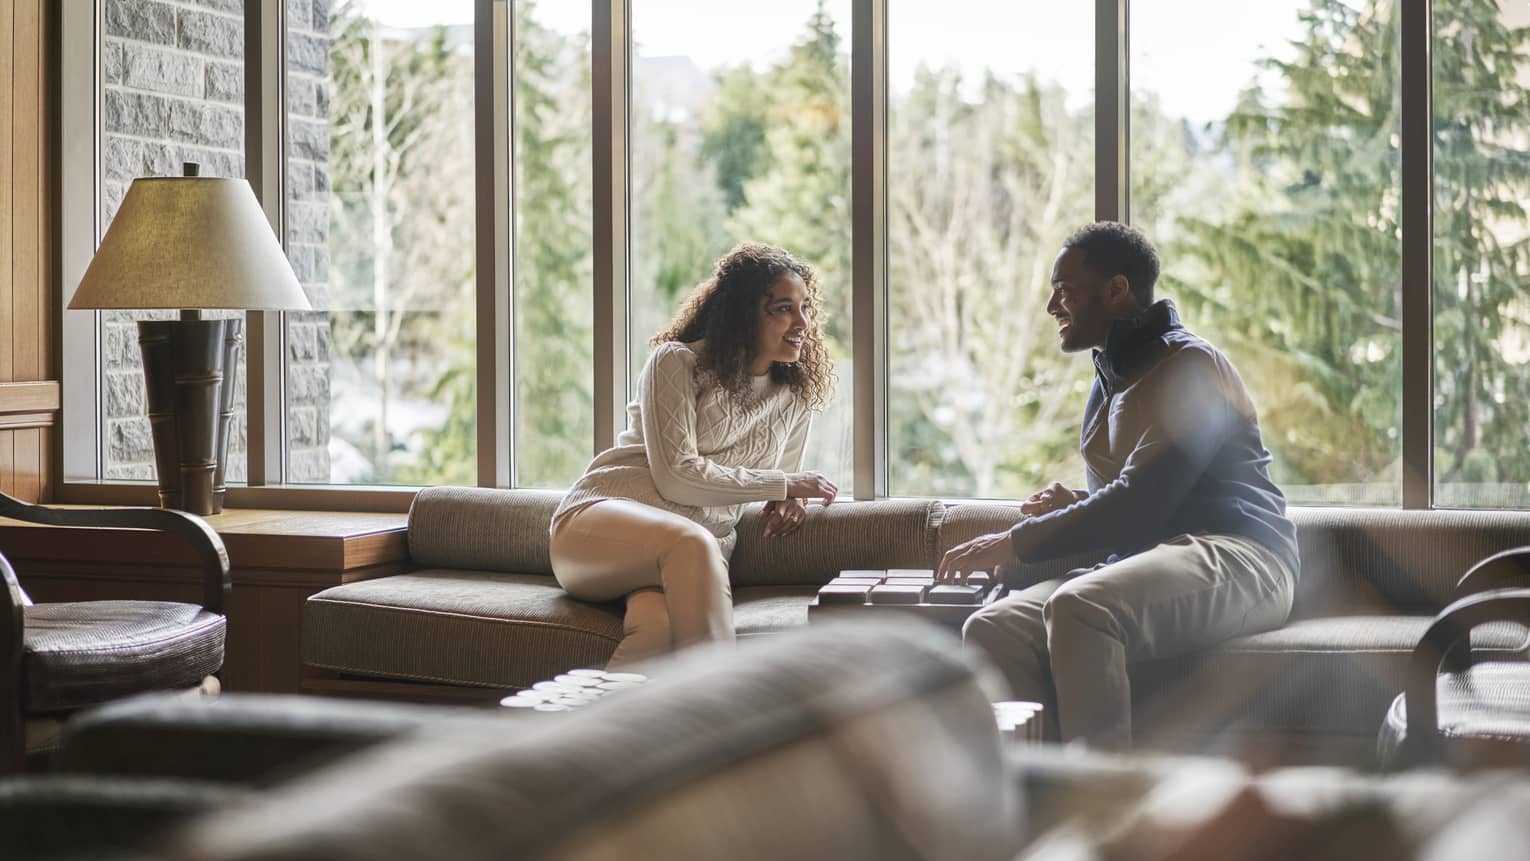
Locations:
{"points": [[722, 413]]}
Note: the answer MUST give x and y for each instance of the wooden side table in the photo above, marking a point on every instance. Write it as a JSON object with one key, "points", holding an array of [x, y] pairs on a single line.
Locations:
{"points": [[276, 560]]}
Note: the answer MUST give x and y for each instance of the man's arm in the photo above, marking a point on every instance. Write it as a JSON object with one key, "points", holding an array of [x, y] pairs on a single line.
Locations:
{"points": [[1190, 420]]}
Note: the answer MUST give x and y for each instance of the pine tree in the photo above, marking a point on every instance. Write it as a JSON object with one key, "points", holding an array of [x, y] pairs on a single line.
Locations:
{"points": [[1303, 275], [1481, 256], [802, 200], [733, 132]]}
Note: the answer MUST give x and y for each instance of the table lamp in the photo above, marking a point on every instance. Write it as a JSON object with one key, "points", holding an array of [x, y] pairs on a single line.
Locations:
{"points": [[190, 244]]}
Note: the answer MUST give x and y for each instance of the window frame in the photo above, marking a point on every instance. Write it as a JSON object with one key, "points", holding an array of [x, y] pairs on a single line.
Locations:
{"points": [[79, 462]]}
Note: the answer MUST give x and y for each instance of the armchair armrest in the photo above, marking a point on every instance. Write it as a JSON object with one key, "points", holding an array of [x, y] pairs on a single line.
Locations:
{"points": [[1449, 633], [193, 530], [1507, 570], [12, 641]]}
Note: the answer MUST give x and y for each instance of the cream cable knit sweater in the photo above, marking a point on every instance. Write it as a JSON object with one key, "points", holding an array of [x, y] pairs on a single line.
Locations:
{"points": [[692, 449]]}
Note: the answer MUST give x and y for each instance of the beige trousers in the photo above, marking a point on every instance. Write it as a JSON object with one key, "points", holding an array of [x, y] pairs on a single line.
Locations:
{"points": [[671, 571], [1067, 642]]}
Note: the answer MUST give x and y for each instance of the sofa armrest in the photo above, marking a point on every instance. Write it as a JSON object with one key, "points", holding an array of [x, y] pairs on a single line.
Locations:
{"points": [[1447, 635]]}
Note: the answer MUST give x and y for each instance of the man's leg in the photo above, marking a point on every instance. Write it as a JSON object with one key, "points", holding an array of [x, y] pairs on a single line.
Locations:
{"points": [[1188, 593], [1014, 635]]}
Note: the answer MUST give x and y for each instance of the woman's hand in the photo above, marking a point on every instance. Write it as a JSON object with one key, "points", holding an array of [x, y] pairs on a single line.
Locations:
{"points": [[983, 553], [784, 517], [1049, 499], [810, 485]]}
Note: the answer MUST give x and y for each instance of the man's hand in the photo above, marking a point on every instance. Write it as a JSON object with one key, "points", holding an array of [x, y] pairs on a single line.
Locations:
{"points": [[783, 517], [1048, 499], [983, 553]]}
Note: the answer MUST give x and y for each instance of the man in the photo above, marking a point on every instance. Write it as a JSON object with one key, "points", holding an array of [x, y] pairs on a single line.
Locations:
{"points": [[1179, 494]]}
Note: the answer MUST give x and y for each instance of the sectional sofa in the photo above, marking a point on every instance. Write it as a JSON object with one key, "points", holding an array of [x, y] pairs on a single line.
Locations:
{"points": [[481, 612]]}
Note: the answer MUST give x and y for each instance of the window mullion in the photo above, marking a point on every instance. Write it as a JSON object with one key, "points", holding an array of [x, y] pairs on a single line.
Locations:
{"points": [[611, 97], [81, 88], [868, 191], [494, 250], [1112, 112], [265, 106], [1417, 256]]}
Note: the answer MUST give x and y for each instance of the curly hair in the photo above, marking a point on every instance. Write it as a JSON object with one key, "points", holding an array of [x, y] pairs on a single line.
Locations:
{"points": [[1111, 248], [724, 313]]}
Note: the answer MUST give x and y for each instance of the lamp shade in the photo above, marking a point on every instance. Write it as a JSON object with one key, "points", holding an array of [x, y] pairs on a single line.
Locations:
{"points": [[190, 243]]}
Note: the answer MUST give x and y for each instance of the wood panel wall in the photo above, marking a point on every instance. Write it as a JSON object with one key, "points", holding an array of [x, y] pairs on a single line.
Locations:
{"points": [[29, 389]]}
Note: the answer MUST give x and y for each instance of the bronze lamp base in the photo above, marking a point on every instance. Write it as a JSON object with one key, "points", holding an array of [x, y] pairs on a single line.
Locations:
{"points": [[189, 369]]}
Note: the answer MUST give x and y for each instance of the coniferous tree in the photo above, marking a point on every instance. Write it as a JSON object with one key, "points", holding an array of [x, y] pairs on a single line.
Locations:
{"points": [[1303, 276]]}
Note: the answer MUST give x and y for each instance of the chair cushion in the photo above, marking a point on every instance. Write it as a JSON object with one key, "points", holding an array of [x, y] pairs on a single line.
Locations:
{"points": [[86, 652], [1332, 676], [479, 628], [1483, 715]]}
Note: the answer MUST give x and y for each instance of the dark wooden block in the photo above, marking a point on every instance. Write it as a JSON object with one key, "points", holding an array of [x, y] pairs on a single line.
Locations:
{"points": [[889, 593], [844, 593], [956, 593]]}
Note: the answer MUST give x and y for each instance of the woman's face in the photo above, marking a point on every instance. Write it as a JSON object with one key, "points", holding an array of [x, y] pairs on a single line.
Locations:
{"points": [[785, 316]]}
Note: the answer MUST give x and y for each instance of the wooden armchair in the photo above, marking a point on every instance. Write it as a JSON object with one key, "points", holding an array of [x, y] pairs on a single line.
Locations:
{"points": [[1457, 711], [57, 658]]}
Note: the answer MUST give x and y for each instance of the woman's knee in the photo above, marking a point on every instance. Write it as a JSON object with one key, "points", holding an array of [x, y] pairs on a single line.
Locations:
{"points": [[694, 549]]}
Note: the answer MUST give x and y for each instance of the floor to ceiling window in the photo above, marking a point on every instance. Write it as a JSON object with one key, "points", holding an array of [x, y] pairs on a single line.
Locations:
{"points": [[1264, 163]]}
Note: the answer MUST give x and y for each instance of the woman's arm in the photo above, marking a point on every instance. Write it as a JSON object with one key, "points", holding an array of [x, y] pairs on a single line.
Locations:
{"points": [[667, 395], [796, 441]]}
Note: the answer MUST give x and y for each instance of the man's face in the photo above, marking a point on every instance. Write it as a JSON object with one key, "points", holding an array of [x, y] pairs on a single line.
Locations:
{"points": [[1079, 303]]}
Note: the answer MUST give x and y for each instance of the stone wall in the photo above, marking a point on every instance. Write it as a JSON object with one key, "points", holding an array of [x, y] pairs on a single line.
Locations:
{"points": [[308, 342], [174, 93]]}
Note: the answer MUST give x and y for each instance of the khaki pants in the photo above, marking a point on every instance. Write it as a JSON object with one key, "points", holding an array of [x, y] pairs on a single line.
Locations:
{"points": [[1067, 642], [671, 571]]}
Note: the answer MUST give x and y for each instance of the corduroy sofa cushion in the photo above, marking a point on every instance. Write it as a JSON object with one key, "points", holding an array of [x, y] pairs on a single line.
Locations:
{"points": [[87, 652], [1333, 676], [479, 628], [485, 529], [482, 529], [886, 533], [1406, 561], [759, 610], [488, 629]]}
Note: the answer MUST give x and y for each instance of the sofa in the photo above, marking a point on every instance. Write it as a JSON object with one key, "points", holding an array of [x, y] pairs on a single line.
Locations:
{"points": [[848, 741], [481, 611], [840, 741]]}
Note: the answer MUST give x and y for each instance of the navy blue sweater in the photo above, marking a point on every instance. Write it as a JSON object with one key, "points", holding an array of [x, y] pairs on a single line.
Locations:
{"points": [[1171, 444]]}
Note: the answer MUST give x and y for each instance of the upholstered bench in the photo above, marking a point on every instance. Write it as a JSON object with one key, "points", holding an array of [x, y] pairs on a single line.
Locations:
{"points": [[482, 611]]}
